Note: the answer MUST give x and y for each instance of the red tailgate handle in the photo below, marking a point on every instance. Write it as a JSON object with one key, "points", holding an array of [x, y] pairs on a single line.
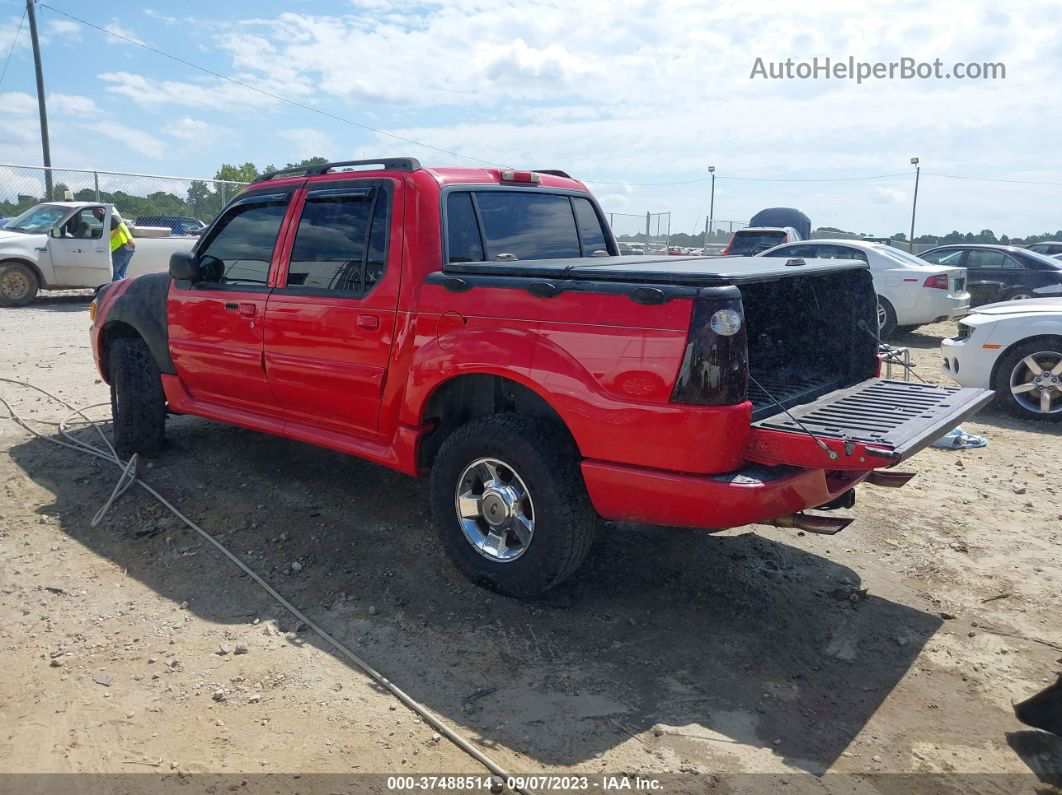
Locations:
{"points": [[248, 310], [370, 322]]}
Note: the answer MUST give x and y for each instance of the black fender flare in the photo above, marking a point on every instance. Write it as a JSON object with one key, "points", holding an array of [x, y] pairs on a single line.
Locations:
{"points": [[140, 307]]}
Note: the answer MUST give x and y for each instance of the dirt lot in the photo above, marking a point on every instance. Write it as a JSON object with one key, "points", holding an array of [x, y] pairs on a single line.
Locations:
{"points": [[671, 652]]}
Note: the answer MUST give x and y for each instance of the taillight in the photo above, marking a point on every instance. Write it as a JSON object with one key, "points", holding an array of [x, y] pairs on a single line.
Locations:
{"points": [[715, 366], [938, 282], [726, 251], [510, 175]]}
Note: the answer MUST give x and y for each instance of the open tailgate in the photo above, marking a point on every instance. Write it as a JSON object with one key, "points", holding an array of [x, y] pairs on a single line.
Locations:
{"points": [[876, 423]]}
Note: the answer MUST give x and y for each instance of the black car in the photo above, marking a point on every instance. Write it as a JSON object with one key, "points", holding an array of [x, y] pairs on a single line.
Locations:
{"points": [[1000, 273]]}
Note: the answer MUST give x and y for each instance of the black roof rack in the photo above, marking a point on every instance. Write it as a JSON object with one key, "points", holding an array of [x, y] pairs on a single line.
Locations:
{"points": [[388, 163], [556, 172]]}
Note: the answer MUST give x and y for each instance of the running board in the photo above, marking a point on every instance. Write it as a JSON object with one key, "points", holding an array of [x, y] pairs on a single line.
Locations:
{"points": [[821, 525], [886, 478]]}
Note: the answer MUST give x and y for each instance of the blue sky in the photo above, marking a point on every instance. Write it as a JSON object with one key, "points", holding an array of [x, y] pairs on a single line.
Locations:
{"points": [[623, 92]]}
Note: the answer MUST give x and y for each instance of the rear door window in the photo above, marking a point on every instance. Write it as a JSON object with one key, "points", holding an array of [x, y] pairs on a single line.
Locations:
{"points": [[799, 250], [341, 241], [951, 256], [590, 231], [465, 244], [527, 225], [981, 258], [841, 252], [755, 242]]}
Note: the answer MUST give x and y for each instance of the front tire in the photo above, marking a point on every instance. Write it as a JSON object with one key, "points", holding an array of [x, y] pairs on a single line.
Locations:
{"points": [[1028, 380], [138, 404], [510, 504], [18, 284]]}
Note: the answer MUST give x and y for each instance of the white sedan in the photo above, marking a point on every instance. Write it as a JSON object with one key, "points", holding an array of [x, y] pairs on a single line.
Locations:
{"points": [[911, 292], [1014, 348]]}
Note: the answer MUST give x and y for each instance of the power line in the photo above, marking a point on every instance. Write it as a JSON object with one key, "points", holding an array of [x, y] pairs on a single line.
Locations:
{"points": [[14, 41], [748, 179], [278, 97], [994, 179]]}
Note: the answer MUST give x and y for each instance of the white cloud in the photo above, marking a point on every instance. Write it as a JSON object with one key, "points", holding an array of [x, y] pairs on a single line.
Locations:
{"points": [[217, 95], [136, 140], [309, 142], [74, 104], [200, 134], [128, 37], [883, 195], [64, 29], [17, 103]]}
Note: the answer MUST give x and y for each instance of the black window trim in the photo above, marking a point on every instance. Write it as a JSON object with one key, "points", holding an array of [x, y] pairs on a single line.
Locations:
{"points": [[474, 188], [348, 191]]}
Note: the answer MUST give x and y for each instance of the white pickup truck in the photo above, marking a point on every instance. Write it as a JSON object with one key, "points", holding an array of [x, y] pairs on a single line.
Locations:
{"points": [[63, 245]]}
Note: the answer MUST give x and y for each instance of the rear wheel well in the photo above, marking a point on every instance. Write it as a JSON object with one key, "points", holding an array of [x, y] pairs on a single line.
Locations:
{"points": [[111, 332], [469, 397]]}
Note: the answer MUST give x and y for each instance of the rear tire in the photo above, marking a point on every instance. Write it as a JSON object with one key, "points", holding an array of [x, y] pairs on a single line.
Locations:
{"points": [[1020, 294], [138, 404], [886, 319], [1017, 390], [508, 465], [18, 284]]}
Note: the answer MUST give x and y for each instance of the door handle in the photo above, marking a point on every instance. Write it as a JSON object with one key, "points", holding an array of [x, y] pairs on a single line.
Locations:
{"points": [[368, 322], [75, 251], [248, 310]]}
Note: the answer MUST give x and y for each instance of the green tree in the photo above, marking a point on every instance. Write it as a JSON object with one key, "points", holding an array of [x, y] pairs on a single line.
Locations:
{"points": [[245, 173]]}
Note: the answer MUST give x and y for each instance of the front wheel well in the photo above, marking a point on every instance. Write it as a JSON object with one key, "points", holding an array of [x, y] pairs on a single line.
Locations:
{"points": [[470, 397], [36, 271], [1010, 349], [111, 332]]}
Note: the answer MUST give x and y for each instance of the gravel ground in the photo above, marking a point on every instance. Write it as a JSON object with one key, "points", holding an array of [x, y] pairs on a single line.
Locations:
{"points": [[895, 647]]}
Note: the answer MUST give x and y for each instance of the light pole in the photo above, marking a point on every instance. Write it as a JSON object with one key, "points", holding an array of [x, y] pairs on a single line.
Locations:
{"points": [[708, 222], [914, 204], [40, 101]]}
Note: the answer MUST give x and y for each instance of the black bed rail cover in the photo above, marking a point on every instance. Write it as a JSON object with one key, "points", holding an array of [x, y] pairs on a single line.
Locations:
{"points": [[691, 271]]}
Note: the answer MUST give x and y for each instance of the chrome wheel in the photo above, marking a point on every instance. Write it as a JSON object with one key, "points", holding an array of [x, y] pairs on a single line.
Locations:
{"points": [[1036, 382], [1022, 297], [883, 316], [15, 285], [495, 510]]}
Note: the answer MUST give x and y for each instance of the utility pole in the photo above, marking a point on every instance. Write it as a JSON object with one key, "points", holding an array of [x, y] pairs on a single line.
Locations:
{"points": [[914, 204], [709, 221], [40, 101]]}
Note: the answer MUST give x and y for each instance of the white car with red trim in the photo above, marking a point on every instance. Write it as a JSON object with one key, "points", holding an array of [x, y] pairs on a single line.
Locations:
{"points": [[1015, 348], [911, 292]]}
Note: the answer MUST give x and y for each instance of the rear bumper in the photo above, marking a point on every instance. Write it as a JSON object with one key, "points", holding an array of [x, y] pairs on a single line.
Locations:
{"points": [[934, 306], [755, 494]]}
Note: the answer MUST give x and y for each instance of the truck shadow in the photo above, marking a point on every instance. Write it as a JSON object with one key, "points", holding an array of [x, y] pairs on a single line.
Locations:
{"points": [[710, 648], [71, 301]]}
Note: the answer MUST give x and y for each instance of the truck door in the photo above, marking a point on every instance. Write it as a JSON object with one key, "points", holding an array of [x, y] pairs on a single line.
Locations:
{"points": [[80, 249], [216, 325], [330, 321]]}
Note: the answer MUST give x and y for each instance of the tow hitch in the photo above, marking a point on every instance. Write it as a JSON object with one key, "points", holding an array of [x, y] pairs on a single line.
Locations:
{"points": [[822, 525]]}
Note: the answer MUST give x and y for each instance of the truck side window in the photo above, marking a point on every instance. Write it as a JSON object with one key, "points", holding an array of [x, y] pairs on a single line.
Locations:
{"points": [[527, 225], [341, 243], [464, 243], [244, 243], [590, 231]]}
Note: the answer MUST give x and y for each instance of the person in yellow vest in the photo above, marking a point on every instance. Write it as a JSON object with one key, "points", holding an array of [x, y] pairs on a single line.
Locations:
{"points": [[122, 245]]}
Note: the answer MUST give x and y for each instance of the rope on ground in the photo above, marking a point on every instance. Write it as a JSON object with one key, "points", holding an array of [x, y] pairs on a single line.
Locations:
{"points": [[129, 477]]}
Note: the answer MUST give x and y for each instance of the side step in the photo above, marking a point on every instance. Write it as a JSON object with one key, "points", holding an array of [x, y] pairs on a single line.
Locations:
{"points": [[886, 478]]}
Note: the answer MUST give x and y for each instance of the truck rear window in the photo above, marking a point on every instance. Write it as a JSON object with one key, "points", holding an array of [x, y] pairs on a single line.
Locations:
{"points": [[503, 224]]}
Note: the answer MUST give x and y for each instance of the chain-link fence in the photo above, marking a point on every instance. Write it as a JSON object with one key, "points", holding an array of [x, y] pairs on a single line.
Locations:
{"points": [[154, 198], [651, 231]]}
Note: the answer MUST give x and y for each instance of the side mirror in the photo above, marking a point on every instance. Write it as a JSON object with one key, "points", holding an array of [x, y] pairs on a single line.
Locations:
{"points": [[56, 232], [184, 266]]}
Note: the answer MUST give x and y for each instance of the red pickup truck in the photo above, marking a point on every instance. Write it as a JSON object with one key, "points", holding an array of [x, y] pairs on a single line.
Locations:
{"points": [[479, 326]]}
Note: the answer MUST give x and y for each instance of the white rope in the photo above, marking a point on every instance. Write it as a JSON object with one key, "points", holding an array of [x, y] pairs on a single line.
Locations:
{"points": [[129, 477]]}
